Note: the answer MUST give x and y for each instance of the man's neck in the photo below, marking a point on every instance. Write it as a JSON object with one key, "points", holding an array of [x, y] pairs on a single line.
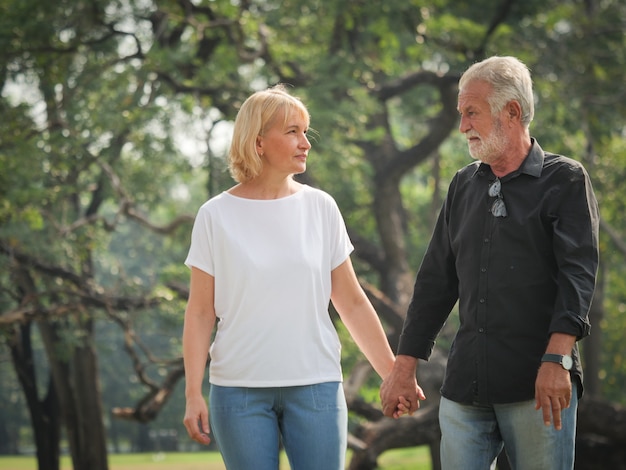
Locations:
{"points": [[515, 155]]}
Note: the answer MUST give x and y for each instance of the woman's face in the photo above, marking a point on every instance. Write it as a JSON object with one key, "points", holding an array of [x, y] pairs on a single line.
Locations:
{"points": [[284, 147]]}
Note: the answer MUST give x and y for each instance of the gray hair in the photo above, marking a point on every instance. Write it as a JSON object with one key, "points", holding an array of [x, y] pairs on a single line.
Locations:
{"points": [[510, 80]]}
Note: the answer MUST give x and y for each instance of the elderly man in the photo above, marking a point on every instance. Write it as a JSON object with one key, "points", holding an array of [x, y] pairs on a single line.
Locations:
{"points": [[516, 244]]}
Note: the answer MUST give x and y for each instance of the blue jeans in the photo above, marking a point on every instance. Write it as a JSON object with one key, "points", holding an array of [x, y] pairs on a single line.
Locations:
{"points": [[249, 423], [473, 436]]}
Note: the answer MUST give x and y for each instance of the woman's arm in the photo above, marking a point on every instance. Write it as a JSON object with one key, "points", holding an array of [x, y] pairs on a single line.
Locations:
{"points": [[197, 330], [360, 318]]}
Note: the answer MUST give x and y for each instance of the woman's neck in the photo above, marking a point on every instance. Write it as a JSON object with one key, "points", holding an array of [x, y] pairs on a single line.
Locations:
{"points": [[260, 188]]}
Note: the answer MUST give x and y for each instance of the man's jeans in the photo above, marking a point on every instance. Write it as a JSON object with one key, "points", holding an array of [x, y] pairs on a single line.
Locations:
{"points": [[473, 436]]}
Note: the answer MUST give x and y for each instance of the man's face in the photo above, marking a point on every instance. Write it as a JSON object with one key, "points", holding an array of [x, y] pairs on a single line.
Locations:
{"points": [[485, 135]]}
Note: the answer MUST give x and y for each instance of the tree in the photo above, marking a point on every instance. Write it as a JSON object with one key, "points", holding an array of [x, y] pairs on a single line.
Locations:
{"points": [[113, 83], [54, 221]]}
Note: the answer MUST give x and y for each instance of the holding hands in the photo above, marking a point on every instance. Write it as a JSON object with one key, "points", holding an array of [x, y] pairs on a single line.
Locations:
{"points": [[399, 393]]}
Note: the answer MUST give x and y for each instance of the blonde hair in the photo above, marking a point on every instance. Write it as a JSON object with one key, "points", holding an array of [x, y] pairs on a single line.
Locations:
{"points": [[510, 80], [256, 115]]}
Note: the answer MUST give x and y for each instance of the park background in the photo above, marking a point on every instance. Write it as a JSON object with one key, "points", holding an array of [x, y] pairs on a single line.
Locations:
{"points": [[114, 124]]}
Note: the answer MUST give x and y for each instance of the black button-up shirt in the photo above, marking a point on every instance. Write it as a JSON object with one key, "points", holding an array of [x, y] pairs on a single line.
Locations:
{"points": [[517, 278]]}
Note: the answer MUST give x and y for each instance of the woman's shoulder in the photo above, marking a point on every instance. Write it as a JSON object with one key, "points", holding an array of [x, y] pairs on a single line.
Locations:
{"points": [[318, 196], [214, 202], [217, 199], [316, 192]]}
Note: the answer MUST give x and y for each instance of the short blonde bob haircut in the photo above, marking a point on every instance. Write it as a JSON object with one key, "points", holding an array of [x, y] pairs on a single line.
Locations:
{"points": [[256, 115]]}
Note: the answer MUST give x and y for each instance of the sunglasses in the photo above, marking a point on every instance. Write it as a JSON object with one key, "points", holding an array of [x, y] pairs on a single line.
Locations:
{"points": [[498, 209]]}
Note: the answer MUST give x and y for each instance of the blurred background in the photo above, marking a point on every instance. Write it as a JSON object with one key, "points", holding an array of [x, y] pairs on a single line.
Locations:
{"points": [[115, 118]]}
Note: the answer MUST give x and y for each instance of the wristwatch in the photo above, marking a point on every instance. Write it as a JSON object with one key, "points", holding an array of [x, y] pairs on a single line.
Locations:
{"points": [[565, 361]]}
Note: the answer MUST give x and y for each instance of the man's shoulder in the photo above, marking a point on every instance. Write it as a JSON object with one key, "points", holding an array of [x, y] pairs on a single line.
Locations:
{"points": [[467, 172], [469, 169], [561, 164], [558, 159]]}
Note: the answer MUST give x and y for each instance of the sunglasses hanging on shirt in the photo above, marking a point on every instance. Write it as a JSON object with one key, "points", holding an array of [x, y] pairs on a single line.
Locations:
{"points": [[498, 208]]}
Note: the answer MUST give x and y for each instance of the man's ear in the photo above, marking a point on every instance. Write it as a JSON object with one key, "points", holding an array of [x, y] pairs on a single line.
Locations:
{"points": [[514, 111]]}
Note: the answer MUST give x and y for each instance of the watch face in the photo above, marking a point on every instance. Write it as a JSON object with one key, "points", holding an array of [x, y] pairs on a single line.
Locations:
{"points": [[567, 362]]}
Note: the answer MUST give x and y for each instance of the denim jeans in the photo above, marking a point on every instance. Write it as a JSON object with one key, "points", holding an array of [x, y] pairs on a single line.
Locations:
{"points": [[473, 436], [249, 423]]}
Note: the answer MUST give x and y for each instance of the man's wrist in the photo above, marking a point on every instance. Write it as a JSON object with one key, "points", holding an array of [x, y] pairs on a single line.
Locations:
{"points": [[564, 360], [406, 365]]}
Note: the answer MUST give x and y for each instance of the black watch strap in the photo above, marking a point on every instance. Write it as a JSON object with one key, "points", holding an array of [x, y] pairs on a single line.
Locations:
{"points": [[565, 361]]}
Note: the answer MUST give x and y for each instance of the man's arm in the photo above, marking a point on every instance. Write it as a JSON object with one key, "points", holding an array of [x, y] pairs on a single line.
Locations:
{"points": [[553, 387], [575, 235]]}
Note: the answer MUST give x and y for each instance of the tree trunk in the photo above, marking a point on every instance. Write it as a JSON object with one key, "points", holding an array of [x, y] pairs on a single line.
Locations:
{"points": [[435, 455], [592, 346], [503, 461], [90, 425], [75, 371], [601, 435], [44, 414], [381, 434], [420, 429], [595, 453]]}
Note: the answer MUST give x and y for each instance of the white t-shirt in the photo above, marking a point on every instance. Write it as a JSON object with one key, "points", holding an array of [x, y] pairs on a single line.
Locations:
{"points": [[272, 263]]}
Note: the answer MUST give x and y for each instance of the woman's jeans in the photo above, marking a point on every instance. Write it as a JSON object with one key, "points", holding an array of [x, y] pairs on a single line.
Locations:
{"points": [[473, 436], [249, 423]]}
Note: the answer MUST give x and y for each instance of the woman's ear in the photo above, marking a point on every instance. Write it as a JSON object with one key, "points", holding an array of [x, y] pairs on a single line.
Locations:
{"points": [[259, 145]]}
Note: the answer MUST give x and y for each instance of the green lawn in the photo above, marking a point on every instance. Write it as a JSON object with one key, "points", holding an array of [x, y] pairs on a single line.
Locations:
{"points": [[402, 459]]}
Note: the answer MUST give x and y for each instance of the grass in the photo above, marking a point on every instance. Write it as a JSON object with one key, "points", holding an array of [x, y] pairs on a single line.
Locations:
{"points": [[399, 459], [413, 458], [152, 461]]}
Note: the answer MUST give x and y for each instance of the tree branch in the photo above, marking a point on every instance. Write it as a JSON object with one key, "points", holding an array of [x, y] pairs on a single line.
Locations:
{"points": [[615, 237]]}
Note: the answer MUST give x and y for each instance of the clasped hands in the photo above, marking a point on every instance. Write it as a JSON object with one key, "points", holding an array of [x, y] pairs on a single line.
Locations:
{"points": [[399, 393]]}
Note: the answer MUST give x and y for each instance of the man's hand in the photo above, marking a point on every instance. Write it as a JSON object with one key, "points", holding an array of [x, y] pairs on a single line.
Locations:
{"points": [[399, 392], [553, 387], [553, 392]]}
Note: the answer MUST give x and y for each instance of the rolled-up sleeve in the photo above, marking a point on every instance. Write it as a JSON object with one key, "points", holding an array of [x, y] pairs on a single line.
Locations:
{"points": [[575, 217]]}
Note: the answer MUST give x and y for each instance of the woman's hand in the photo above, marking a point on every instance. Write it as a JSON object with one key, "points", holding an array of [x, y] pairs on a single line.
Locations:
{"points": [[196, 420]]}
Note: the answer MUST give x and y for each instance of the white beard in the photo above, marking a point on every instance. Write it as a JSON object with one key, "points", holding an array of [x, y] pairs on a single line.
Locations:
{"points": [[488, 149]]}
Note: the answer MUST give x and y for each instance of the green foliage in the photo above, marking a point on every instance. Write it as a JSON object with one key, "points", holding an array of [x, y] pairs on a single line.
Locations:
{"points": [[109, 106]]}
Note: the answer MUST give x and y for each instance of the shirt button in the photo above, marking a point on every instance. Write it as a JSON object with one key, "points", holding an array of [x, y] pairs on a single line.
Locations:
{"points": [[483, 270], [486, 240], [481, 330], [482, 301]]}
